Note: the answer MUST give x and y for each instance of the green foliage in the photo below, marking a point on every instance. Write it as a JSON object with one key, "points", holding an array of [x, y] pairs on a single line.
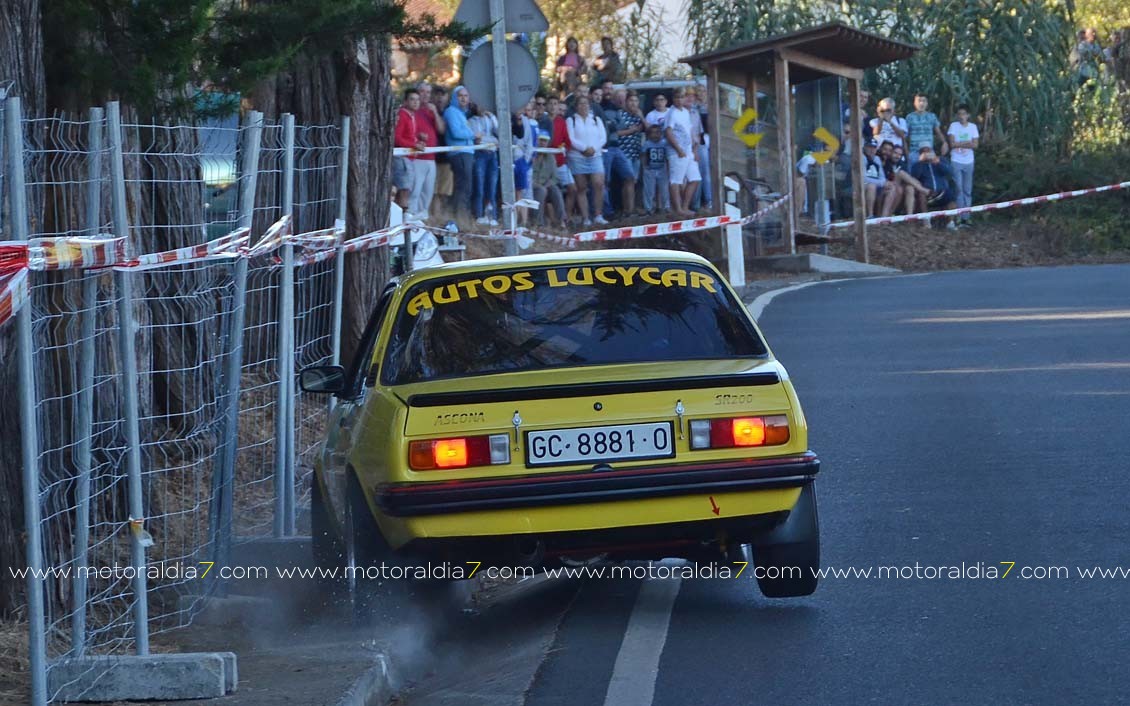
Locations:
{"points": [[157, 54], [1102, 118], [587, 20], [1104, 16], [1006, 58], [641, 47]]}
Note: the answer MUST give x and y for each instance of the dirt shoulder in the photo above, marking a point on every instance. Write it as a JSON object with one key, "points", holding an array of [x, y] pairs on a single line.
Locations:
{"points": [[985, 245]]}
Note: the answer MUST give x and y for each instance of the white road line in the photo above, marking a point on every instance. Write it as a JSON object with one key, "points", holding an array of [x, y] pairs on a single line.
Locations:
{"points": [[757, 306], [637, 664]]}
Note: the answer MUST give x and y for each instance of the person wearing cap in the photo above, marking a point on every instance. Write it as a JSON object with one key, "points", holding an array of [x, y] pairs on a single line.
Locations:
{"points": [[874, 180], [934, 175], [546, 186], [460, 134]]}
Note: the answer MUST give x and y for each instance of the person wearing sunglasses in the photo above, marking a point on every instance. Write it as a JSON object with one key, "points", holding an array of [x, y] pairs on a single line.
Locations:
{"points": [[888, 127]]}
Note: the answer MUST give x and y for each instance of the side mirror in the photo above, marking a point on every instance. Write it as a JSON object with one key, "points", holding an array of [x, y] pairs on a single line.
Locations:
{"points": [[322, 378]]}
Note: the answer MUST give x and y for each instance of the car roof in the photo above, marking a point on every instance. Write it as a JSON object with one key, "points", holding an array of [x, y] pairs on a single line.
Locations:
{"points": [[575, 258]]}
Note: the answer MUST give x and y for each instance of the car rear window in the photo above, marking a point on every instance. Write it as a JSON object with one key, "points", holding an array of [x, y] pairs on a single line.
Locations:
{"points": [[555, 317]]}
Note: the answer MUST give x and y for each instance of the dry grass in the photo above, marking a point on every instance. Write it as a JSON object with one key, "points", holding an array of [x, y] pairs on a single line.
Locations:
{"points": [[985, 245], [13, 662]]}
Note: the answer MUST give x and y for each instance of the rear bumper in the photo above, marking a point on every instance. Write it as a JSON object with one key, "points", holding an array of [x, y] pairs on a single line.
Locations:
{"points": [[559, 489]]}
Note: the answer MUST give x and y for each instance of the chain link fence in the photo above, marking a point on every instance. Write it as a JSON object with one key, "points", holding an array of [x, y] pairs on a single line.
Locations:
{"points": [[164, 321]]}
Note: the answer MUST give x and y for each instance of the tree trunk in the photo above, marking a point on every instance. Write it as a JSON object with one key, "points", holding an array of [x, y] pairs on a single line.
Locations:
{"points": [[21, 62], [353, 82]]}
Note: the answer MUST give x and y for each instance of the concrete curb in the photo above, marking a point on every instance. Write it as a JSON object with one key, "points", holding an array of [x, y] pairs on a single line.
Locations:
{"points": [[193, 675], [375, 687]]}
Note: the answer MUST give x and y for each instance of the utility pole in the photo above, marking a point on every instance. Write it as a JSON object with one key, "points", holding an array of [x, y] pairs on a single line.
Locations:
{"points": [[502, 110]]}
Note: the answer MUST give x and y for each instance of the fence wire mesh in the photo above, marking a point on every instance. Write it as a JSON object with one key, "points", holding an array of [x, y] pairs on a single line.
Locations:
{"points": [[182, 187], [318, 164], [255, 484]]}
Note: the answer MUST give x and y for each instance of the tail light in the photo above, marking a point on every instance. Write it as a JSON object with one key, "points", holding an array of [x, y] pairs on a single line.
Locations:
{"points": [[460, 452], [734, 432]]}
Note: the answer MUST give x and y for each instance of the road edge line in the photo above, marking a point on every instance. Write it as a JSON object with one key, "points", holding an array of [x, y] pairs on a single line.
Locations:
{"points": [[636, 671]]}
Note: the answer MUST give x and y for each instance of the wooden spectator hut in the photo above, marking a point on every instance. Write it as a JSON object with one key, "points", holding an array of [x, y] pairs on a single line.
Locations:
{"points": [[745, 82]]}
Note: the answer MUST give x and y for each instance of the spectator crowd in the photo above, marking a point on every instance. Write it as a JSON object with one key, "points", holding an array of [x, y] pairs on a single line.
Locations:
{"points": [[587, 152], [911, 164]]}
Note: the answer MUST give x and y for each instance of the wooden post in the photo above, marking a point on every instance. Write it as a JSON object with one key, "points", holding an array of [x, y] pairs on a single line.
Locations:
{"points": [[753, 157], [857, 196], [785, 146], [715, 119]]}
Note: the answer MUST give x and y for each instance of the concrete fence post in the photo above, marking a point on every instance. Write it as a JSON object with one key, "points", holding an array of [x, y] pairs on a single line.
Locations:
{"points": [[735, 245]]}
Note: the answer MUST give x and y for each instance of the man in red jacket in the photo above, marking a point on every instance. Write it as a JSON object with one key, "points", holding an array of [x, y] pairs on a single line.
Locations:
{"points": [[414, 130]]}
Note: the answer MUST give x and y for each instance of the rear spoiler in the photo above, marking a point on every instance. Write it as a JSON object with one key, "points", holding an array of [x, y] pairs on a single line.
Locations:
{"points": [[554, 392]]}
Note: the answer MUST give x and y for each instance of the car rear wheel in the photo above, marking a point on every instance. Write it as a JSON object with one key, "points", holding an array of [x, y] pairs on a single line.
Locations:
{"points": [[365, 550], [323, 541], [364, 547], [788, 556]]}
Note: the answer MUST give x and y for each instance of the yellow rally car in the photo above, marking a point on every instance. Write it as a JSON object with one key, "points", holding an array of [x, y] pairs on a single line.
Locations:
{"points": [[537, 409]]}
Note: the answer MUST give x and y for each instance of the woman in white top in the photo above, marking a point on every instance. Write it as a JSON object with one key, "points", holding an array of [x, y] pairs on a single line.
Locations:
{"points": [[586, 141]]}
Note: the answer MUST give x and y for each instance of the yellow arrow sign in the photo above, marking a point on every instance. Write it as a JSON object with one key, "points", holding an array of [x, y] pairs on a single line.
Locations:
{"points": [[748, 118], [828, 139]]}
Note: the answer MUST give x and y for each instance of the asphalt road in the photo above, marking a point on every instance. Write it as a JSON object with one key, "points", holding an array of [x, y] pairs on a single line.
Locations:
{"points": [[963, 418]]}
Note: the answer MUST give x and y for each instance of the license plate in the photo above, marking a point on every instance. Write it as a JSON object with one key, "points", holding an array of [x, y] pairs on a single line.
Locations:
{"points": [[595, 444]]}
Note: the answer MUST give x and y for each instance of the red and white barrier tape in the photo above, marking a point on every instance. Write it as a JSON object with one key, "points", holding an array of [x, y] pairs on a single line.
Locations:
{"points": [[413, 152], [13, 293], [760, 213], [1000, 205], [224, 247], [76, 253], [652, 230]]}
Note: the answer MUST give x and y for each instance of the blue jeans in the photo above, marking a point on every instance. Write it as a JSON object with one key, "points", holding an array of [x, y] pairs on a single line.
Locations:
{"points": [[705, 193], [486, 181], [963, 180], [462, 168], [615, 162]]}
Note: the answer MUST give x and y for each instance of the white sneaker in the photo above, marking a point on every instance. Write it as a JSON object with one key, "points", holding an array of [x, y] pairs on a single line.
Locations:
{"points": [[483, 221], [600, 221], [586, 222], [951, 226], [493, 222]]}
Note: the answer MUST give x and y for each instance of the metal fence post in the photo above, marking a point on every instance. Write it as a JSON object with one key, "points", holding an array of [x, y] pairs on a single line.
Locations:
{"points": [[284, 412], [339, 250], [127, 375], [249, 173], [84, 414], [17, 191]]}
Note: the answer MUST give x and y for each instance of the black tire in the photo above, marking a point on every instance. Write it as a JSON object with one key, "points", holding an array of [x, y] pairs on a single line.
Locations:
{"points": [[788, 556], [364, 546], [323, 540]]}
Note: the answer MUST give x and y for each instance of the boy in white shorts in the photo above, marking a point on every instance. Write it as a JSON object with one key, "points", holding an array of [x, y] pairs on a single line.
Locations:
{"points": [[682, 162]]}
